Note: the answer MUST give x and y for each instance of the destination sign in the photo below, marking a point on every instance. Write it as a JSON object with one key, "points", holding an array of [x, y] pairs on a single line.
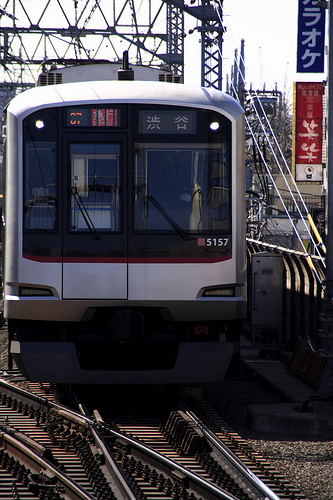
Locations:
{"points": [[167, 122]]}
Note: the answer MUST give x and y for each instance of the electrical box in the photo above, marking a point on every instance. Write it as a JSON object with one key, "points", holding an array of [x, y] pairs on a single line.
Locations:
{"points": [[267, 276]]}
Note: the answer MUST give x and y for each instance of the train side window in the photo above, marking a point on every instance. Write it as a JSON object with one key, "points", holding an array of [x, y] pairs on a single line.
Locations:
{"points": [[40, 187], [95, 187]]}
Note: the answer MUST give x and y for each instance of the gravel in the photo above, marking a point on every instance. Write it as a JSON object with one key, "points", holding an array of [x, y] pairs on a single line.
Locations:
{"points": [[308, 464]]}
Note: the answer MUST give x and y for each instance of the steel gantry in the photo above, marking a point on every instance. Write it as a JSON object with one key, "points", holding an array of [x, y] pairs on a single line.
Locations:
{"points": [[37, 33]]}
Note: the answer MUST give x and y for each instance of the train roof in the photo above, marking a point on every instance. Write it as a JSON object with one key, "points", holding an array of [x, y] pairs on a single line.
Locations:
{"points": [[80, 93], [104, 70]]}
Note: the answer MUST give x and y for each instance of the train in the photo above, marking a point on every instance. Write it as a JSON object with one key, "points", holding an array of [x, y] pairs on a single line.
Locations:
{"points": [[124, 241]]}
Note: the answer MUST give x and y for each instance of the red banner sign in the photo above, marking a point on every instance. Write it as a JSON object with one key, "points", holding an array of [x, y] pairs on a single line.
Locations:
{"points": [[309, 130]]}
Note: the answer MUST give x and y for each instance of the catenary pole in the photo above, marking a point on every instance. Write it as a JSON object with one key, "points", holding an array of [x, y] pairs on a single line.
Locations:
{"points": [[329, 165], [329, 159]]}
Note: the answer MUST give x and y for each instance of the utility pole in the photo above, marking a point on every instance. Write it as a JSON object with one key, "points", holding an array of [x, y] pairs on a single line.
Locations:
{"points": [[241, 75], [328, 313]]}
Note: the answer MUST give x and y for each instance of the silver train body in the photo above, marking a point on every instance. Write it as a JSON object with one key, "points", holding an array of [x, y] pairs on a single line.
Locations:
{"points": [[124, 232]]}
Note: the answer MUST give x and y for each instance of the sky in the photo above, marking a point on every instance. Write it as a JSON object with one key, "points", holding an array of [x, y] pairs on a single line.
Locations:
{"points": [[269, 30]]}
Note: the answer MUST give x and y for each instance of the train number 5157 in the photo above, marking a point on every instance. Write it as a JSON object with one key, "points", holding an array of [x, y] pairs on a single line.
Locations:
{"points": [[217, 242]]}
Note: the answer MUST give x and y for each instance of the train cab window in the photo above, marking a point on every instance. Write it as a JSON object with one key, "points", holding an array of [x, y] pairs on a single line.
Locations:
{"points": [[40, 173], [181, 183], [95, 187]]}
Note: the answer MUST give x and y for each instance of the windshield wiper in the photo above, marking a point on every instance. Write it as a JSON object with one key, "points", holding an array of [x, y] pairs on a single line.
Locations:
{"points": [[167, 217], [85, 214]]}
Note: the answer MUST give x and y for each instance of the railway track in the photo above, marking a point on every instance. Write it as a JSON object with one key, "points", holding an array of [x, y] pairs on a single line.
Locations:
{"points": [[62, 453], [48, 451], [212, 451]]}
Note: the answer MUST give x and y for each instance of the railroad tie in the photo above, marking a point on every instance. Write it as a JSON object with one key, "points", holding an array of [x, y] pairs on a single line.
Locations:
{"points": [[182, 432]]}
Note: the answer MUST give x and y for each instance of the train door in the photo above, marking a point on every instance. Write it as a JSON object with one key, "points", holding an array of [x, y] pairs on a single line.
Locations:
{"points": [[94, 225]]}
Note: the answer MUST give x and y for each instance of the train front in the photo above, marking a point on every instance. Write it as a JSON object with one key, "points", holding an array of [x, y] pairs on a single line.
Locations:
{"points": [[125, 233]]}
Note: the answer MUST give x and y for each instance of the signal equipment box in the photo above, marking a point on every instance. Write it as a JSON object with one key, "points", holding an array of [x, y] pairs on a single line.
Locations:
{"points": [[266, 301]]}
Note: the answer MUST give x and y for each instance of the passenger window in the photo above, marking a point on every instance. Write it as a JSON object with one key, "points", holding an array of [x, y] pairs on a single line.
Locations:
{"points": [[95, 191]]}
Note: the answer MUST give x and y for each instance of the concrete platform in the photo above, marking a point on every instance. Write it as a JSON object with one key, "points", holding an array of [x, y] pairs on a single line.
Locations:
{"points": [[306, 416], [273, 372], [288, 420]]}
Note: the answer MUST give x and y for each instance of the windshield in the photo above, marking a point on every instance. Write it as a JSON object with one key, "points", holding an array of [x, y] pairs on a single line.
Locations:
{"points": [[182, 171], [191, 183]]}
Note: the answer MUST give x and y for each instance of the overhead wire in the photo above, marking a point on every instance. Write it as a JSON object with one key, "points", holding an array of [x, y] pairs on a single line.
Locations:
{"points": [[310, 220], [308, 256], [320, 243]]}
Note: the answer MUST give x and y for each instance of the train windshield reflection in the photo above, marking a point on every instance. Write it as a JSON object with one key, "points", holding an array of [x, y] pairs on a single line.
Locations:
{"points": [[190, 183]]}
